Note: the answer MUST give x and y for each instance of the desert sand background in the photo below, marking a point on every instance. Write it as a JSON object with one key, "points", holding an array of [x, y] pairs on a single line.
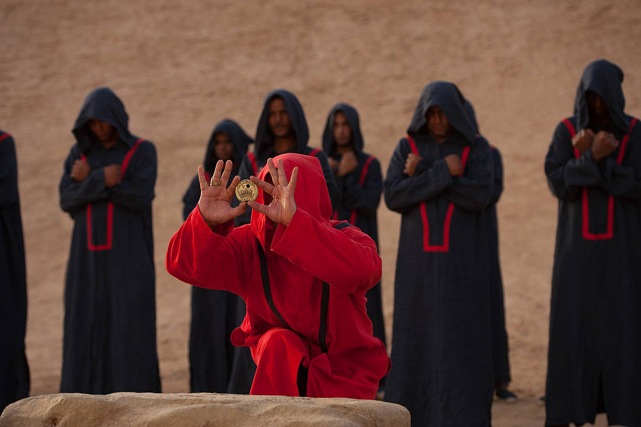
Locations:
{"points": [[180, 67]]}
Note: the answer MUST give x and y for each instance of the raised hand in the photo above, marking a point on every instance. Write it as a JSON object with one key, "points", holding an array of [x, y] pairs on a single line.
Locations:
{"points": [[411, 163], [282, 208], [215, 196], [80, 170], [604, 143]]}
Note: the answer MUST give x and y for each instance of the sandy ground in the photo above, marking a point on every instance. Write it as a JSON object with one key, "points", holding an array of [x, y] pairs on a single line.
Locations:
{"points": [[180, 69]]}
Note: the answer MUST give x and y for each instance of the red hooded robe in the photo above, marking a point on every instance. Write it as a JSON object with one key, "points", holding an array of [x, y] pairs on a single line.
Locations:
{"points": [[313, 249]]}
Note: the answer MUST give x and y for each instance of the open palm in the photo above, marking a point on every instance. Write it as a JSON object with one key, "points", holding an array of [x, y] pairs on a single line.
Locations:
{"points": [[282, 208], [215, 200]]}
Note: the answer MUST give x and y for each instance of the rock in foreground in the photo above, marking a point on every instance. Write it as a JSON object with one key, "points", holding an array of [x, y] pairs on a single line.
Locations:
{"points": [[199, 409]]}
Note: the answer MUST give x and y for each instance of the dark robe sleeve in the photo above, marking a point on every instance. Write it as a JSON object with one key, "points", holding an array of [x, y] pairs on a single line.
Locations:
{"points": [[565, 173], [8, 173], [364, 199], [75, 194], [136, 191], [332, 187], [497, 187], [472, 190], [623, 180], [403, 192], [191, 197], [356, 265]]}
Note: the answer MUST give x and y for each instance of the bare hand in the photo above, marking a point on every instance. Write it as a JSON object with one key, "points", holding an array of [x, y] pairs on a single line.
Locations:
{"points": [[112, 175], [282, 208], [348, 163], [333, 164], [454, 164], [582, 141], [604, 143], [215, 200], [80, 170], [411, 164]]}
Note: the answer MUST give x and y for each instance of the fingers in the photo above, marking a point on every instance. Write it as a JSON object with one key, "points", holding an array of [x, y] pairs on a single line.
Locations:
{"points": [[267, 187], [258, 207], [226, 173], [292, 182], [272, 171], [232, 187], [201, 178], [218, 171], [282, 178]]}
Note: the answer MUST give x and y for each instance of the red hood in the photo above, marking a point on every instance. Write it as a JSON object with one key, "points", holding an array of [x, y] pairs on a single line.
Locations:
{"points": [[311, 191]]}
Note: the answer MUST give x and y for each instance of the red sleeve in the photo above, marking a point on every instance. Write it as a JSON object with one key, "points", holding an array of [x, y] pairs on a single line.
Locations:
{"points": [[209, 259], [346, 259]]}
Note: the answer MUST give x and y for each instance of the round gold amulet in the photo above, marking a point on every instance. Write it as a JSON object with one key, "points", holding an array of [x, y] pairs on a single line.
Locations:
{"points": [[246, 191]]}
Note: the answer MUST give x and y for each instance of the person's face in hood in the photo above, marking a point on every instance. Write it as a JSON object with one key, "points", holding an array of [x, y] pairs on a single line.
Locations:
{"points": [[106, 133], [437, 124], [279, 121], [223, 146], [597, 108], [342, 130]]}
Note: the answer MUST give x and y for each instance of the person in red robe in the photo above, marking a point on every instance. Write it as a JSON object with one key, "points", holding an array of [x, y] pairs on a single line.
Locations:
{"points": [[302, 275]]}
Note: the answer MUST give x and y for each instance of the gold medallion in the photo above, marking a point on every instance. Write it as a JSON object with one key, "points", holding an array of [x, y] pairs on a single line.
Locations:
{"points": [[246, 191]]}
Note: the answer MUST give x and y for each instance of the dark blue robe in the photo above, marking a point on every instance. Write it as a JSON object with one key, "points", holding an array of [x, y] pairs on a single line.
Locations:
{"points": [[213, 313], [110, 305], [360, 192], [441, 341], [500, 347], [594, 353], [14, 370]]}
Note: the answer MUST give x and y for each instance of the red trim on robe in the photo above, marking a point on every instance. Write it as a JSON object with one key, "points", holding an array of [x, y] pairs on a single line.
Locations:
{"points": [[110, 206], [445, 247], [584, 195], [5, 136]]}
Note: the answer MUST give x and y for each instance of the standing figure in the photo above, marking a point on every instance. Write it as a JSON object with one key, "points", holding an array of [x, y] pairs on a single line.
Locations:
{"points": [[440, 180], [593, 167], [214, 313], [302, 275], [360, 183], [110, 304], [14, 370]]}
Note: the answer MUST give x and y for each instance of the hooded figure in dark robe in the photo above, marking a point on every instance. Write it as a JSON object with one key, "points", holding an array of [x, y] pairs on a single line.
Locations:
{"points": [[360, 191], [253, 162], [302, 275], [441, 343], [593, 167], [213, 313], [110, 303], [14, 370], [500, 347]]}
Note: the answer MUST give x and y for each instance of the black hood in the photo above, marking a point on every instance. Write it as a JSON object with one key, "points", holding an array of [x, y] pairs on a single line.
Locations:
{"points": [[605, 79], [448, 97], [238, 137], [264, 137], [102, 104], [352, 118], [471, 115]]}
